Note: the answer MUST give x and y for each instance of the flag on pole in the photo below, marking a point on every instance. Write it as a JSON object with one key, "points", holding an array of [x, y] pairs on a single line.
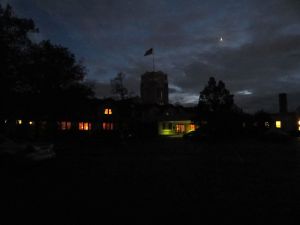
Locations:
{"points": [[149, 52]]}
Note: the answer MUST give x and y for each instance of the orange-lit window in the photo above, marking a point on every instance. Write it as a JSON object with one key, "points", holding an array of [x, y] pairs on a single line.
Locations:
{"points": [[192, 127], [65, 125], [180, 128], [107, 111], [85, 126], [107, 126]]}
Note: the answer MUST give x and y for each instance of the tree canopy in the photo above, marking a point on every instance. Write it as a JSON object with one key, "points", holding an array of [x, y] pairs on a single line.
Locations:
{"points": [[117, 86], [216, 107], [40, 72], [50, 68], [215, 97], [14, 43]]}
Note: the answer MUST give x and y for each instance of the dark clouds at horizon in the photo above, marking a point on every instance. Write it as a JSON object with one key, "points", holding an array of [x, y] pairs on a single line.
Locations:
{"points": [[258, 58]]}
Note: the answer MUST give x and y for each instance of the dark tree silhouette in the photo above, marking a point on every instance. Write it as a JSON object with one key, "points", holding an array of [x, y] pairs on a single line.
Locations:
{"points": [[51, 69], [53, 79], [216, 107], [14, 43], [117, 86], [40, 77], [215, 97]]}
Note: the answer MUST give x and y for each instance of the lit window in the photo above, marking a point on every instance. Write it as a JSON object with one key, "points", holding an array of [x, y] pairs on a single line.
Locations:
{"points": [[278, 124], [192, 127], [299, 122], [64, 125], [107, 126], [85, 126], [30, 123], [180, 128], [107, 111], [19, 122]]}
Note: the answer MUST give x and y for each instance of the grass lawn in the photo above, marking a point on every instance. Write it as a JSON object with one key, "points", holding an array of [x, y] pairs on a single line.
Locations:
{"points": [[157, 182]]}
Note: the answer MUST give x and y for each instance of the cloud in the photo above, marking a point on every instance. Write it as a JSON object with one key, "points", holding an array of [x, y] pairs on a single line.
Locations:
{"points": [[244, 92], [102, 90], [188, 98], [260, 52], [265, 67]]}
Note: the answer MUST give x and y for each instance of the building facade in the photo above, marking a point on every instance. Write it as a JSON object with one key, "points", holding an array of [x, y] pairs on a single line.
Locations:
{"points": [[154, 88], [285, 120]]}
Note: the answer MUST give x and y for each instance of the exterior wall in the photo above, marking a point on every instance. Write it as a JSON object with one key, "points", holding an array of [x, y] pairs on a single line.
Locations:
{"points": [[103, 117], [154, 88], [289, 122]]}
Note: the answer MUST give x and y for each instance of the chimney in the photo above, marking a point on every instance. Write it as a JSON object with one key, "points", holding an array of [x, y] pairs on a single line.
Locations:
{"points": [[283, 103]]}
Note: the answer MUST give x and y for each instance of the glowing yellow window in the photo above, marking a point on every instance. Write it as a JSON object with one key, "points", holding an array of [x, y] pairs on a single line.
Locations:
{"points": [[278, 124], [85, 126], [19, 122], [299, 125], [31, 123], [107, 111]]}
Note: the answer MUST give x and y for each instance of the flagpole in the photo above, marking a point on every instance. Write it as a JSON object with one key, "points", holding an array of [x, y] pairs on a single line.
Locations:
{"points": [[151, 52], [153, 62]]}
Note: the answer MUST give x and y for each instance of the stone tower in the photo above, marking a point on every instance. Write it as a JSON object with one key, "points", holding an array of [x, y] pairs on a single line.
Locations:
{"points": [[154, 88]]}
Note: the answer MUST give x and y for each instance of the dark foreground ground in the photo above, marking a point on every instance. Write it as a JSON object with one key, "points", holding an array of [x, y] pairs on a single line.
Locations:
{"points": [[163, 181]]}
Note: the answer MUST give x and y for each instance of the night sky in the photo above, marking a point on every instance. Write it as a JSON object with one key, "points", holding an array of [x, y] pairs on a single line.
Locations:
{"points": [[258, 57]]}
